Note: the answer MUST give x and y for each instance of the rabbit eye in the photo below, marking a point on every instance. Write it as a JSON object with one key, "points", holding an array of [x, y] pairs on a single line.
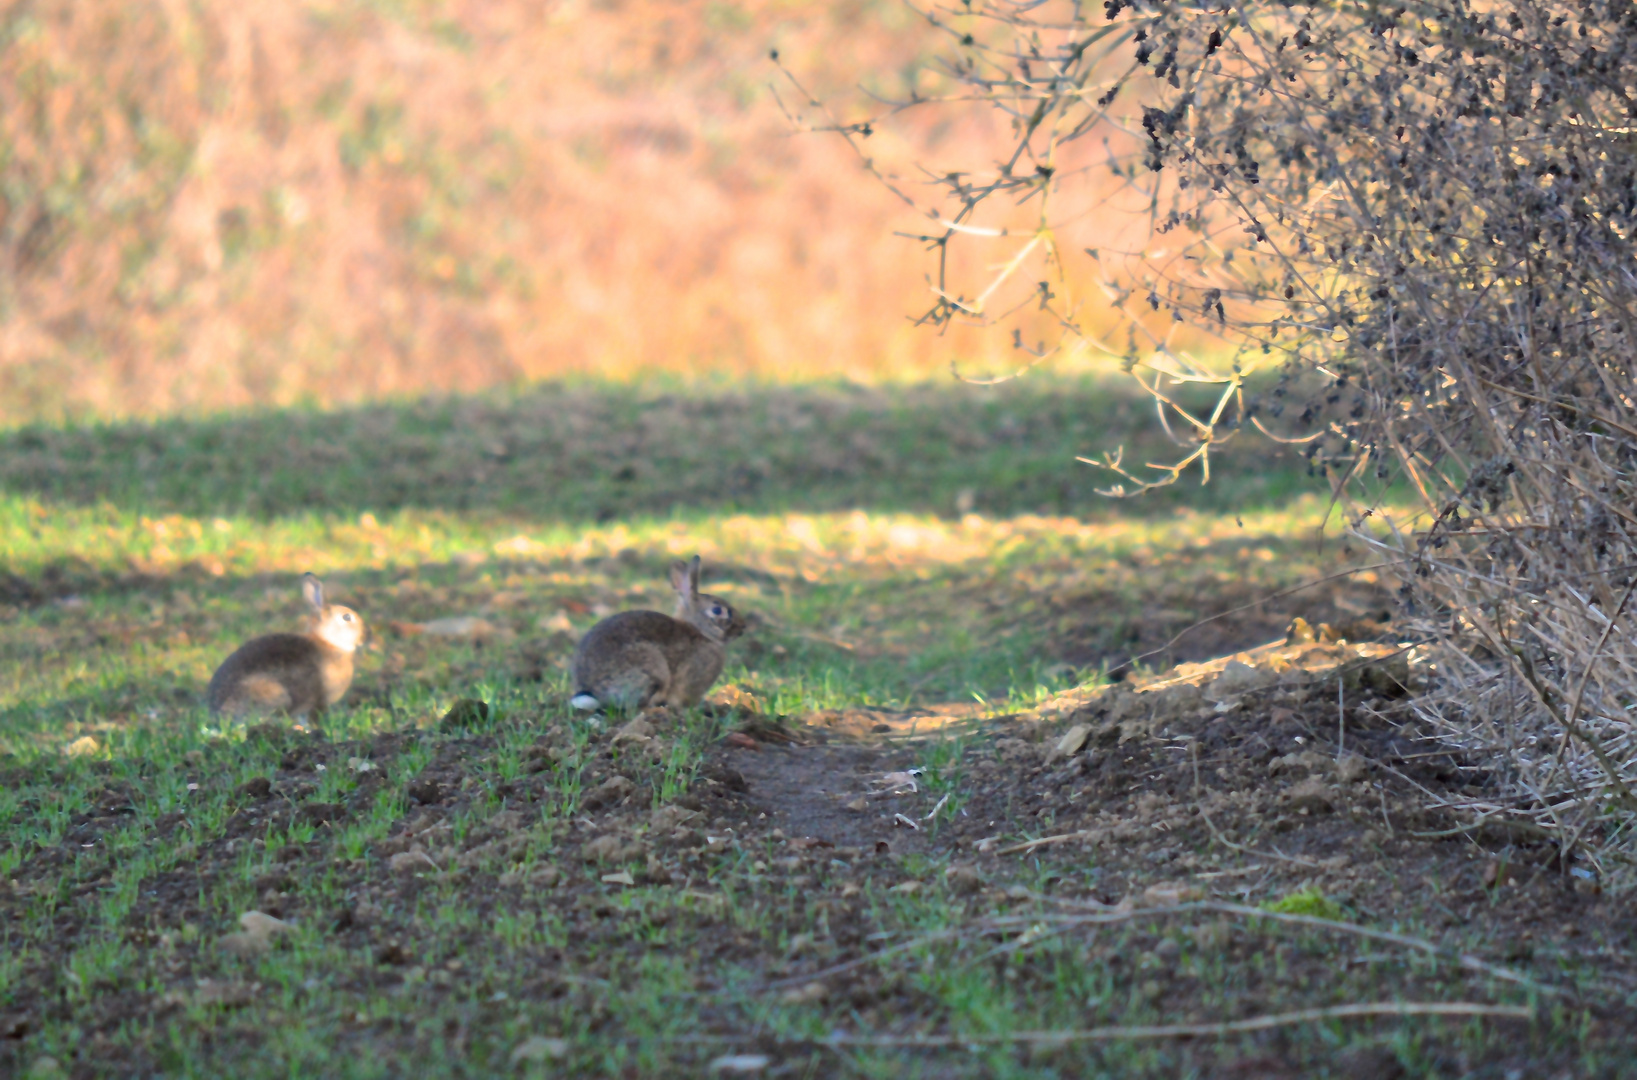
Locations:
{"points": [[346, 618], [716, 609]]}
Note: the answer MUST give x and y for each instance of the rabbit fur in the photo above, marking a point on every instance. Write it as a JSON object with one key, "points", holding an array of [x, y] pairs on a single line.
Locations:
{"points": [[301, 674], [634, 659]]}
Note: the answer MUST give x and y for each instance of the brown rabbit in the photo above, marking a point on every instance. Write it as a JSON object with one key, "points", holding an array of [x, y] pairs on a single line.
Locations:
{"points": [[639, 658], [300, 674]]}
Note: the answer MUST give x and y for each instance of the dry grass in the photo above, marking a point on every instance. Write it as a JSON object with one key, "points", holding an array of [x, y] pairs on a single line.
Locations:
{"points": [[221, 204]]}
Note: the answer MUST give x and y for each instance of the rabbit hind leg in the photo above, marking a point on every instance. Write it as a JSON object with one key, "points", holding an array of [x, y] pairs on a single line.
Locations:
{"points": [[642, 676], [257, 694], [694, 677]]}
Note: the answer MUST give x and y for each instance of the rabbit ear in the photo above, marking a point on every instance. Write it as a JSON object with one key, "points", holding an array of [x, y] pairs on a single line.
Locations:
{"points": [[679, 578], [313, 590], [685, 578]]}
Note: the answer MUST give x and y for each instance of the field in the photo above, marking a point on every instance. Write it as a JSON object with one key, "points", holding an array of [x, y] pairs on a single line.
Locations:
{"points": [[755, 887]]}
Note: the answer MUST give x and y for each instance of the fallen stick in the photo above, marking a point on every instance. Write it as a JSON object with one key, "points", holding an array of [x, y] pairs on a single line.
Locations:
{"points": [[1099, 914], [1194, 1031], [1241, 848], [1145, 1031], [1044, 841], [1466, 960]]}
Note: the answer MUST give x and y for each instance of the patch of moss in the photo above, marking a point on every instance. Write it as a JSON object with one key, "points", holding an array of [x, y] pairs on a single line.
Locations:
{"points": [[1307, 901]]}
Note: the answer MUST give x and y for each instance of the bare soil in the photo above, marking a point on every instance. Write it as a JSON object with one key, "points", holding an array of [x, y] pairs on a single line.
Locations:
{"points": [[812, 821]]}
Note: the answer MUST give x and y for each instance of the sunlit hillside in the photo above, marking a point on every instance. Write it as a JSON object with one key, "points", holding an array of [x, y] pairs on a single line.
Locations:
{"points": [[217, 203]]}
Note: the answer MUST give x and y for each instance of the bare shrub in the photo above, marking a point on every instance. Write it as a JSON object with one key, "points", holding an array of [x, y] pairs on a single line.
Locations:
{"points": [[1421, 215]]}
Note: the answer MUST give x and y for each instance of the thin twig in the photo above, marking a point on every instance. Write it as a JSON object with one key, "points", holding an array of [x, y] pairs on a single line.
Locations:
{"points": [[1191, 1031], [1225, 842], [1090, 913], [1466, 960], [1044, 841]]}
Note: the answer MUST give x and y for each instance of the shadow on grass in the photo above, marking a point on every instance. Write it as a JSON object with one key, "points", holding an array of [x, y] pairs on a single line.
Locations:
{"points": [[100, 649], [596, 452]]}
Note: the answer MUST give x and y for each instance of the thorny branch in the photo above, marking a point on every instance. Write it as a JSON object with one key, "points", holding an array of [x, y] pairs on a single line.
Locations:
{"points": [[1408, 230]]}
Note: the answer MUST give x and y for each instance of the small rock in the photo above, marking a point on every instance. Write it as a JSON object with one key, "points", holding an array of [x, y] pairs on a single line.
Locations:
{"points": [[44, 1067], [610, 848], [411, 862], [1168, 950], [740, 1064], [963, 880], [1311, 795], [610, 791], [1236, 678], [262, 924], [623, 877], [811, 994], [1070, 744], [537, 1048], [1171, 892], [1351, 768], [1302, 759], [906, 888], [637, 731], [669, 818], [858, 805], [257, 936], [685, 838]]}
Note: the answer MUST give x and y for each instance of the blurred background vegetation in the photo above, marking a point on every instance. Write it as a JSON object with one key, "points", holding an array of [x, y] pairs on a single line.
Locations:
{"points": [[213, 205]]}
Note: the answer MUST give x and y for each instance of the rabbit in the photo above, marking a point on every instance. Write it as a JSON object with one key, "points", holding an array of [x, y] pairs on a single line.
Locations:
{"points": [[638, 658], [300, 674]]}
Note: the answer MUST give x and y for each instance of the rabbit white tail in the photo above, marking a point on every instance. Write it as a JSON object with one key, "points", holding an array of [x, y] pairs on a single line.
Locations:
{"points": [[585, 701]]}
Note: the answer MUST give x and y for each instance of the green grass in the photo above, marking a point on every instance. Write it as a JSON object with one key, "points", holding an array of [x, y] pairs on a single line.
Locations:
{"points": [[591, 452], [893, 547], [139, 554]]}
